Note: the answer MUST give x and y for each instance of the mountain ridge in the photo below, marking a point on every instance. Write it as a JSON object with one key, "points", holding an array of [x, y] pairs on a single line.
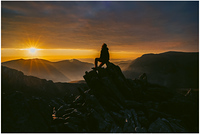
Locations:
{"points": [[57, 71], [166, 68], [170, 65], [108, 102]]}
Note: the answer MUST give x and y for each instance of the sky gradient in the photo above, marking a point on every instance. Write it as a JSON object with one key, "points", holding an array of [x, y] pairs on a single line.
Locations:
{"points": [[65, 30]]}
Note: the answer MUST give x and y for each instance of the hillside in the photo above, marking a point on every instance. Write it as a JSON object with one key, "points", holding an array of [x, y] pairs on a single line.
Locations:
{"points": [[14, 80], [123, 64], [73, 69], [108, 103], [62, 71], [171, 69], [27, 101], [37, 67]]}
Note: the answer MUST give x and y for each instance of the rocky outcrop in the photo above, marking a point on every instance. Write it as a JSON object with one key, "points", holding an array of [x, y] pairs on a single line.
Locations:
{"points": [[111, 103], [116, 104], [28, 102], [22, 114]]}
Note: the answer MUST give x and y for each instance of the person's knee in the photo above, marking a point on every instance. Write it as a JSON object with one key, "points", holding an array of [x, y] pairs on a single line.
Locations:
{"points": [[97, 59]]}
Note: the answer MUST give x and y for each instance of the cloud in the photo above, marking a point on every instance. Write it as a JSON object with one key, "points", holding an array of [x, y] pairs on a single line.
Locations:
{"points": [[86, 25]]}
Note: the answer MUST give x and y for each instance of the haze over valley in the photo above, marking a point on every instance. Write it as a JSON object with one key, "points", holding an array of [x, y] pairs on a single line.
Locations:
{"points": [[171, 69]]}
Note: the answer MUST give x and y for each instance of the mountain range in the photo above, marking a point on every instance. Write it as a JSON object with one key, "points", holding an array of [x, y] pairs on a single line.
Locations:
{"points": [[171, 69], [107, 102], [14, 80], [62, 71]]}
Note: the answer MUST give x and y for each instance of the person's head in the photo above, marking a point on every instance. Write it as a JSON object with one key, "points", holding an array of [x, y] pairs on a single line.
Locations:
{"points": [[104, 46]]}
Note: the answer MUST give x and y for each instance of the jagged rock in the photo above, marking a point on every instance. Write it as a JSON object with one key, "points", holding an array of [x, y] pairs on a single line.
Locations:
{"points": [[135, 117], [129, 125], [69, 98], [116, 129], [133, 104], [111, 104], [154, 114], [109, 82], [118, 118], [159, 126], [97, 123], [176, 125], [63, 110], [140, 130], [143, 121], [21, 114]]}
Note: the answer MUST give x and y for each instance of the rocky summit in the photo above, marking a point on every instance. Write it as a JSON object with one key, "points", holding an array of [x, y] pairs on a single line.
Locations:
{"points": [[116, 104], [111, 103]]}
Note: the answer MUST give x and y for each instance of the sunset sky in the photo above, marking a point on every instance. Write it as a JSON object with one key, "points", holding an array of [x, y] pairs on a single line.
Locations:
{"points": [[66, 30]]}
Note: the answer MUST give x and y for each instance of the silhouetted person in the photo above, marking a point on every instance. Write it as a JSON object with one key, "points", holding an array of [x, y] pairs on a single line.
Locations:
{"points": [[104, 56]]}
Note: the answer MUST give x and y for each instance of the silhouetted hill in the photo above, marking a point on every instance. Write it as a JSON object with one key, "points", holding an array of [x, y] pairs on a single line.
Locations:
{"points": [[172, 69], [62, 71], [116, 104], [14, 80], [37, 67], [110, 103], [73, 69], [123, 64], [27, 101]]}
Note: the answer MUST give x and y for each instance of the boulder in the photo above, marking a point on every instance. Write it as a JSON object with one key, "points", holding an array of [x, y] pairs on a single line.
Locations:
{"points": [[111, 103], [22, 114]]}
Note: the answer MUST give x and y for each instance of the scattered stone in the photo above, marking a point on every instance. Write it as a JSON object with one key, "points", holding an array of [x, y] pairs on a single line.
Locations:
{"points": [[111, 104]]}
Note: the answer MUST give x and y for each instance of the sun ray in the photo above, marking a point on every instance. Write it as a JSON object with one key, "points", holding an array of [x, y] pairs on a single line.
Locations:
{"points": [[44, 65], [30, 70]]}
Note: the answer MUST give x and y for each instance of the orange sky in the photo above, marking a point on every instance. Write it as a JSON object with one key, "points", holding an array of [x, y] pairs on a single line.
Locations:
{"points": [[66, 30], [63, 54]]}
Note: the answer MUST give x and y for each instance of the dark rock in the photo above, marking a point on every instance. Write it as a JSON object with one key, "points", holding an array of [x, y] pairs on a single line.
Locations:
{"points": [[116, 129], [129, 125], [63, 110], [164, 125], [96, 123], [69, 98], [118, 118], [135, 117], [160, 126], [143, 121], [133, 104], [140, 130], [21, 114], [112, 104]]}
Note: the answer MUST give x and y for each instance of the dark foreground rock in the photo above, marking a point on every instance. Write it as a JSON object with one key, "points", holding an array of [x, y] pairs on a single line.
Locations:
{"points": [[116, 104], [111, 104], [21, 114]]}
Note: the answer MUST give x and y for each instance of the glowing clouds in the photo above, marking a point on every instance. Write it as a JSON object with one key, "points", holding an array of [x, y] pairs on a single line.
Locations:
{"points": [[49, 54]]}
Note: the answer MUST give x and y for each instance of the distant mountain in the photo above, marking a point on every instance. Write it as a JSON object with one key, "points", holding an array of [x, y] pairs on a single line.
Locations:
{"points": [[14, 80], [123, 64], [171, 69], [37, 67], [62, 71], [107, 102], [73, 69]]}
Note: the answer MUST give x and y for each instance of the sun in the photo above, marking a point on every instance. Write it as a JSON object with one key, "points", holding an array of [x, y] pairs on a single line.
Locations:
{"points": [[32, 50]]}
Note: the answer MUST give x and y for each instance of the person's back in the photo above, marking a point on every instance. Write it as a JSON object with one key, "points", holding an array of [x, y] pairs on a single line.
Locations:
{"points": [[104, 53], [104, 56]]}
